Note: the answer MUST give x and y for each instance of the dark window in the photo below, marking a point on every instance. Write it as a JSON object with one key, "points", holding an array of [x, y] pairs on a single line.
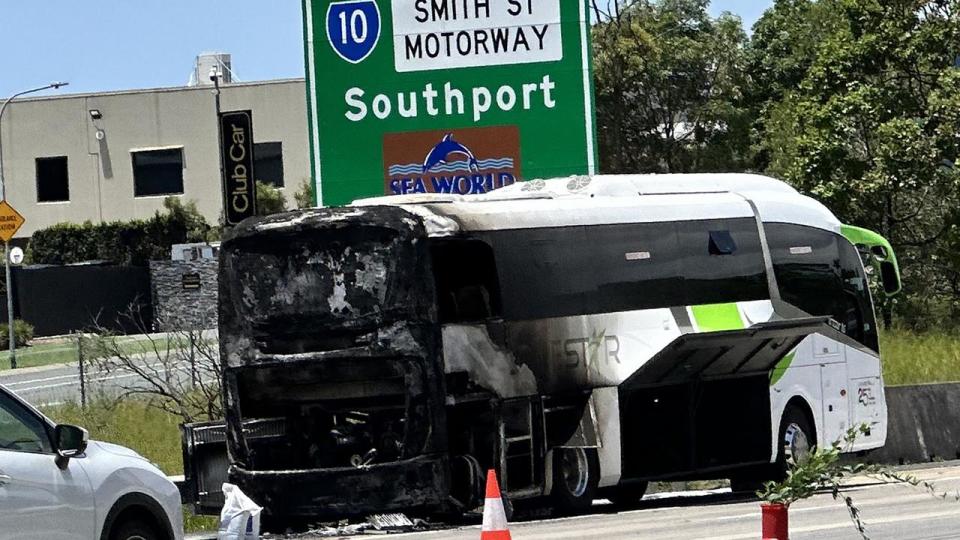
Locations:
{"points": [[268, 163], [858, 320], [609, 268], [20, 429], [53, 180], [712, 276], [158, 172], [806, 262], [635, 266], [466, 281], [822, 274], [543, 272]]}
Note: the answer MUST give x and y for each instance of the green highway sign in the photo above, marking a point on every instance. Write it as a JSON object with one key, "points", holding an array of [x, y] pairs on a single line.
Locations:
{"points": [[446, 96]]}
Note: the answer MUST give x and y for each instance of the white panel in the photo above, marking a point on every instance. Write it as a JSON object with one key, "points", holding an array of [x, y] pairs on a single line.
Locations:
{"points": [[606, 403], [836, 409]]}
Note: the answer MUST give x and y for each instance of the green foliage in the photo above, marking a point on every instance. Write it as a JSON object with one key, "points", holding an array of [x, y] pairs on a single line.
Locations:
{"points": [[303, 197], [126, 243], [821, 469], [857, 105], [270, 200], [22, 334], [669, 88]]}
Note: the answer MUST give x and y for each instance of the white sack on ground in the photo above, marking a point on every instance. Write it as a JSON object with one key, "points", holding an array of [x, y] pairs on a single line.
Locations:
{"points": [[240, 516]]}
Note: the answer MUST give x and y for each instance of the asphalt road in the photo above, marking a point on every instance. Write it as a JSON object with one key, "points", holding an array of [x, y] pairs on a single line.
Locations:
{"points": [[53, 385], [890, 511]]}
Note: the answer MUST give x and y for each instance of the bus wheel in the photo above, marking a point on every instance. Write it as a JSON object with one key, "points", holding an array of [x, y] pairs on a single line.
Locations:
{"points": [[576, 474], [467, 482], [797, 438], [627, 495]]}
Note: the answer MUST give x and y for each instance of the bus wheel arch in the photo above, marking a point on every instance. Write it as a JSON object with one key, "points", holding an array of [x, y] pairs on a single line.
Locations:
{"points": [[797, 432], [576, 479]]}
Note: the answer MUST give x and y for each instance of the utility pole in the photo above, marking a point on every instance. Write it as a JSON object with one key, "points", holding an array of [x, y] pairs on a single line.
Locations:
{"points": [[215, 77], [6, 245]]}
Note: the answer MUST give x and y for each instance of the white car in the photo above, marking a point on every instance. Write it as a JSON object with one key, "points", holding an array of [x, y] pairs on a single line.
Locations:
{"points": [[54, 485]]}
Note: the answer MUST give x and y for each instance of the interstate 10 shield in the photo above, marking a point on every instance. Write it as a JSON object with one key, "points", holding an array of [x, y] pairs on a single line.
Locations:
{"points": [[353, 28]]}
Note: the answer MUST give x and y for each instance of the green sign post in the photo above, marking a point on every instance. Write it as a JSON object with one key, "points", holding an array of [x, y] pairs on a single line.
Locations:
{"points": [[448, 96]]}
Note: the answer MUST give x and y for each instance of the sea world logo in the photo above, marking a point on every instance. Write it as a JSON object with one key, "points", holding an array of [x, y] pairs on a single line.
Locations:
{"points": [[461, 162]]}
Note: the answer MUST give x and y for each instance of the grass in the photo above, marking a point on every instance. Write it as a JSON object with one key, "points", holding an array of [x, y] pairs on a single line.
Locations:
{"points": [[152, 433], [65, 351], [44, 354], [917, 358]]}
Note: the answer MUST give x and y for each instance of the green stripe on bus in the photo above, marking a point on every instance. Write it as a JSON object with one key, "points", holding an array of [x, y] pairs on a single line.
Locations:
{"points": [[781, 368], [717, 317]]}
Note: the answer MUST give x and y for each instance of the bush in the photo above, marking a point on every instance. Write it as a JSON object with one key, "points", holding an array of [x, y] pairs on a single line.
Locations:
{"points": [[121, 242], [270, 200], [22, 334]]}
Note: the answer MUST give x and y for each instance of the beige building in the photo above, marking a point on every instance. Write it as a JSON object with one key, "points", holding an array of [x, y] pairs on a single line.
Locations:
{"points": [[117, 155]]}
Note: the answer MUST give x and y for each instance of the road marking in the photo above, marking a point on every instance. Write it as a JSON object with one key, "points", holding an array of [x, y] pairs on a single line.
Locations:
{"points": [[847, 523], [174, 367]]}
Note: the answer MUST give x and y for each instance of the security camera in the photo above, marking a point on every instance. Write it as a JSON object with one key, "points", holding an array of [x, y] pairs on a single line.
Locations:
{"points": [[214, 73]]}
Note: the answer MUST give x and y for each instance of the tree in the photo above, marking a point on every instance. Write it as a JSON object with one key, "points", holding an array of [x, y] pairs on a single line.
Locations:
{"points": [[270, 200], [865, 119], [669, 87]]}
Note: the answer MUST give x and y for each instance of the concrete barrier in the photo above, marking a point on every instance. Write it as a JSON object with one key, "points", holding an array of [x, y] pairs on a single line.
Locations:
{"points": [[924, 424]]}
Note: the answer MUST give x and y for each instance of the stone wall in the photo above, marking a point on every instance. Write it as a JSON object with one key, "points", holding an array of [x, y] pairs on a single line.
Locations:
{"points": [[184, 294]]}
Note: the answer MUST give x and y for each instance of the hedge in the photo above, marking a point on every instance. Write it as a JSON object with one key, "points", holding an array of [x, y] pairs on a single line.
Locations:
{"points": [[124, 243]]}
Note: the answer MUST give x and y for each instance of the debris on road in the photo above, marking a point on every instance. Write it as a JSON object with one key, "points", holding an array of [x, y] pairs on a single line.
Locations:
{"points": [[377, 524]]}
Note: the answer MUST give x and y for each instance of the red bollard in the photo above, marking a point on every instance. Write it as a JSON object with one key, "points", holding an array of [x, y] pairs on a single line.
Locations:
{"points": [[776, 525]]}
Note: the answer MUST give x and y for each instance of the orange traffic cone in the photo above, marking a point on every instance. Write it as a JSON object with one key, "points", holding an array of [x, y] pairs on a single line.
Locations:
{"points": [[494, 518]]}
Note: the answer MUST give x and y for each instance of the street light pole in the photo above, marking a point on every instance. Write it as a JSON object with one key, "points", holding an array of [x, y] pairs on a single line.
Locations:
{"points": [[6, 245], [215, 77]]}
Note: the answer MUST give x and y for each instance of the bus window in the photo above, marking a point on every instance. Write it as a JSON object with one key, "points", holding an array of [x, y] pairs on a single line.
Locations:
{"points": [[543, 272], [822, 274], [635, 266], [860, 320], [806, 262], [467, 287], [721, 261]]}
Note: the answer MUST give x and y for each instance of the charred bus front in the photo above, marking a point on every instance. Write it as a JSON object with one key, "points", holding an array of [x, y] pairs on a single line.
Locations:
{"points": [[330, 344]]}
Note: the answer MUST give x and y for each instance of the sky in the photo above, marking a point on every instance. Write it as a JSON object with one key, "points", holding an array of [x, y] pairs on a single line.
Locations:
{"points": [[99, 45]]}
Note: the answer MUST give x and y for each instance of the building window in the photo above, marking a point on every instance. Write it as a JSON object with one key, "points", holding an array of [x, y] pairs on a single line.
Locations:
{"points": [[53, 181], [158, 172], [268, 163]]}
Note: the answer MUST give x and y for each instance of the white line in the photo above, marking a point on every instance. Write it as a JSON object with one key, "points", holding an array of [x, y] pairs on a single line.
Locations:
{"points": [[46, 379], [174, 367], [587, 101], [315, 114], [846, 523]]}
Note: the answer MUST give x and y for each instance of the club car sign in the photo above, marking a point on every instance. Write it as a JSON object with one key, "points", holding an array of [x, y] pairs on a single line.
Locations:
{"points": [[450, 96]]}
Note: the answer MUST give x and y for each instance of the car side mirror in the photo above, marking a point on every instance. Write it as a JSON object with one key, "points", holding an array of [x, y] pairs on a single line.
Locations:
{"points": [[69, 441]]}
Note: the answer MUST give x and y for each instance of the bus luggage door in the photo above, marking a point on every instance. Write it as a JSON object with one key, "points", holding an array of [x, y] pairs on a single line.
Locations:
{"points": [[833, 386]]}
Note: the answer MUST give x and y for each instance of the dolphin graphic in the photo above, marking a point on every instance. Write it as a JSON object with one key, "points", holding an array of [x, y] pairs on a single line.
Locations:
{"points": [[443, 149]]}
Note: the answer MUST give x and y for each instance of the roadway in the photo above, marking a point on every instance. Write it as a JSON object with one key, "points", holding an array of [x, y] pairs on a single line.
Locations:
{"points": [[890, 511], [53, 385]]}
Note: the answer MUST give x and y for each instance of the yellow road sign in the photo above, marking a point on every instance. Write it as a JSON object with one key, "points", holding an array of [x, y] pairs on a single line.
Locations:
{"points": [[10, 221]]}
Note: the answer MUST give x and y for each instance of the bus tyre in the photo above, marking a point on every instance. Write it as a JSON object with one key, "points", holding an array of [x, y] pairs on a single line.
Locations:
{"points": [[797, 438], [576, 474], [628, 494]]}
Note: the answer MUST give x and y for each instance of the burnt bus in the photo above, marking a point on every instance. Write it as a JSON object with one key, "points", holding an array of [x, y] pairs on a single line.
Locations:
{"points": [[581, 337]]}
